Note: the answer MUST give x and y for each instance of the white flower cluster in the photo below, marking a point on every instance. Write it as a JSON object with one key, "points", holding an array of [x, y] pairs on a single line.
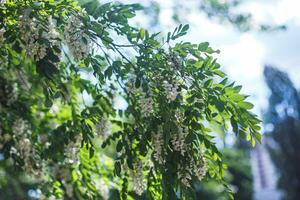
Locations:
{"points": [[72, 151], [23, 147], [52, 35], [103, 188], [200, 168], [19, 127], [32, 33], [175, 62], [184, 175], [146, 104], [131, 87], [69, 189], [178, 140], [2, 2], [171, 90], [103, 128], [8, 94], [30, 29], [158, 143], [24, 81], [139, 185], [2, 39], [76, 38]]}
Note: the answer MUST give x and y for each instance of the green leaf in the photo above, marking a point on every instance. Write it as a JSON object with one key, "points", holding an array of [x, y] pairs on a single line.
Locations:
{"points": [[257, 136], [203, 46], [142, 33], [119, 146], [137, 83], [253, 142], [108, 72], [118, 168], [245, 105], [236, 97], [92, 151], [185, 28]]}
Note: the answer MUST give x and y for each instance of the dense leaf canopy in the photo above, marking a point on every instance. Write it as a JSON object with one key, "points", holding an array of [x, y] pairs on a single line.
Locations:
{"points": [[64, 68]]}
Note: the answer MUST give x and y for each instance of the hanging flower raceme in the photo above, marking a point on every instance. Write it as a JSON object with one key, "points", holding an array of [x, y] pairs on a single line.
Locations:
{"points": [[200, 167], [146, 104], [192, 166], [2, 2], [184, 175], [53, 37], [30, 34], [37, 39], [178, 139], [145, 99], [8, 92], [72, 151], [78, 41], [2, 39], [171, 90], [139, 185], [103, 128], [158, 143], [103, 188], [24, 149]]}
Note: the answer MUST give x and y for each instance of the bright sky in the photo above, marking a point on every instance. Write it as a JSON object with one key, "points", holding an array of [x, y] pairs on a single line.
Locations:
{"points": [[243, 55]]}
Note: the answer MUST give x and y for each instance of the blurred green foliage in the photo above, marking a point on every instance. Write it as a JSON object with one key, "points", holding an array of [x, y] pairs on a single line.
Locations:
{"points": [[238, 175]]}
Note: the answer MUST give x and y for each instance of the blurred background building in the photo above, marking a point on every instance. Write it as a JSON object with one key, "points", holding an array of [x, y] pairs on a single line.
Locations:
{"points": [[264, 175]]}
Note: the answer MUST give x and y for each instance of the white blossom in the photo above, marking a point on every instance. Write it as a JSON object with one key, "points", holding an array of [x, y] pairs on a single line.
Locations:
{"points": [[131, 87], [139, 185], [29, 29], [178, 140], [146, 104], [2, 39], [33, 34], [19, 127], [103, 128], [52, 197], [23, 147], [200, 168], [76, 38], [158, 143], [184, 175], [52, 33], [2, 2], [72, 151], [197, 168], [145, 100], [103, 188], [69, 189], [9, 94], [171, 90], [53, 36]]}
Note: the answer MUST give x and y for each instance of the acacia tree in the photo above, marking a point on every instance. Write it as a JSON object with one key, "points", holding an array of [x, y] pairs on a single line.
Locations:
{"points": [[174, 91]]}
